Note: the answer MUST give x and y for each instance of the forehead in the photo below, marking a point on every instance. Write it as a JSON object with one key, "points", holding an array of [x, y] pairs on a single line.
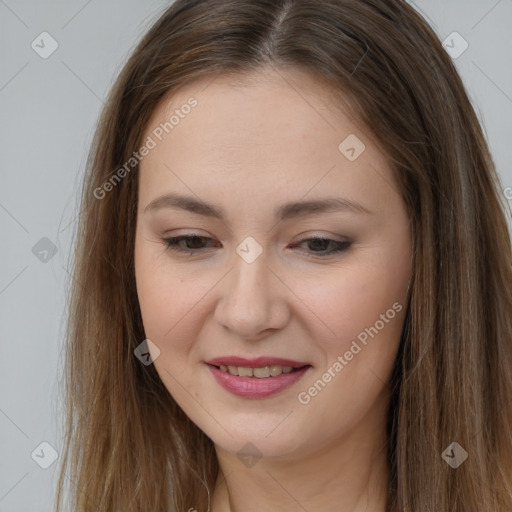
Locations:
{"points": [[261, 107], [269, 84], [255, 131]]}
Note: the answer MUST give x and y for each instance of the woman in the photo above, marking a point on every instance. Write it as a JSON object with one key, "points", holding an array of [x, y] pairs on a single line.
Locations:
{"points": [[293, 273]]}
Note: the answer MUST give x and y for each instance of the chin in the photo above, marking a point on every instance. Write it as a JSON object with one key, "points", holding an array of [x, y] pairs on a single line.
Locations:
{"points": [[265, 437]]}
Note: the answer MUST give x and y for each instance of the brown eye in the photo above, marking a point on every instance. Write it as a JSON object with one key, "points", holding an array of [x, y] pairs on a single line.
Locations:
{"points": [[193, 243], [320, 246]]}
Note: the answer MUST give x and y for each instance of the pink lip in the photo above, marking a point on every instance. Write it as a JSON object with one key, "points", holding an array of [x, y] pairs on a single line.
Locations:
{"points": [[259, 362], [254, 387]]}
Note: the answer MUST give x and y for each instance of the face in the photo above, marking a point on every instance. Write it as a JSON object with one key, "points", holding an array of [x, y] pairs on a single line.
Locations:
{"points": [[251, 264]]}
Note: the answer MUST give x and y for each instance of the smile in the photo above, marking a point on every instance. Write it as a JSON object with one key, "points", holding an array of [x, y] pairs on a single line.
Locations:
{"points": [[259, 382], [260, 373]]}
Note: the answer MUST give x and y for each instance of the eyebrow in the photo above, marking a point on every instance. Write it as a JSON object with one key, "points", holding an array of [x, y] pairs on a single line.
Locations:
{"points": [[284, 212]]}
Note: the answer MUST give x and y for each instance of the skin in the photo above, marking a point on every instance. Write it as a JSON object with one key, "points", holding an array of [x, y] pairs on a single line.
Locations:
{"points": [[253, 143]]}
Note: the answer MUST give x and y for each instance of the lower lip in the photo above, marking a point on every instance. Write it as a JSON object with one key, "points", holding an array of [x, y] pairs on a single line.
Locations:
{"points": [[254, 387]]}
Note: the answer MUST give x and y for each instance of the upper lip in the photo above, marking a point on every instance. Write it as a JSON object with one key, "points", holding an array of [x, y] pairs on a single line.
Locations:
{"points": [[259, 362]]}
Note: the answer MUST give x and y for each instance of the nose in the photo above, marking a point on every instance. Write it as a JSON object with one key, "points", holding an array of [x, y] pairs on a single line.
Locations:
{"points": [[253, 299]]}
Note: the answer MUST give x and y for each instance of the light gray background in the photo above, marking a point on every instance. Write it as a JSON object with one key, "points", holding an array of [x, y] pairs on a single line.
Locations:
{"points": [[48, 111]]}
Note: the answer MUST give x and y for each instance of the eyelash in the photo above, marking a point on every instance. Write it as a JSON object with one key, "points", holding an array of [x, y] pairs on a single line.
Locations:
{"points": [[172, 245]]}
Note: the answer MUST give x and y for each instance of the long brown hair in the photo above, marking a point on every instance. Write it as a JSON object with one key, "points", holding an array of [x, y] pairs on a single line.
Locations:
{"points": [[128, 446]]}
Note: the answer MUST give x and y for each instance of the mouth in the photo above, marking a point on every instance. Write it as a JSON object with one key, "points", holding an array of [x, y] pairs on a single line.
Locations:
{"points": [[262, 372], [256, 380]]}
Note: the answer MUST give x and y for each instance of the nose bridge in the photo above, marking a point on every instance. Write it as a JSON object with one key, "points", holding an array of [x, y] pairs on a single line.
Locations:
{"points": [[250, 298], [250, 282], [250, 266]]}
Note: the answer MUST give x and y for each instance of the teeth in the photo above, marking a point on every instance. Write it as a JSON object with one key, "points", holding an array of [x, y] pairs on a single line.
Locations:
{"points": [[245, 372], [260, 373]]}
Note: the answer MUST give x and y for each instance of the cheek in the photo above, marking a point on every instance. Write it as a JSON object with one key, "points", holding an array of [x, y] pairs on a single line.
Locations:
{"points": [[353, 298], [161, 293], [362, 315], [164, 305], [361, 311], [171, 303]]}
